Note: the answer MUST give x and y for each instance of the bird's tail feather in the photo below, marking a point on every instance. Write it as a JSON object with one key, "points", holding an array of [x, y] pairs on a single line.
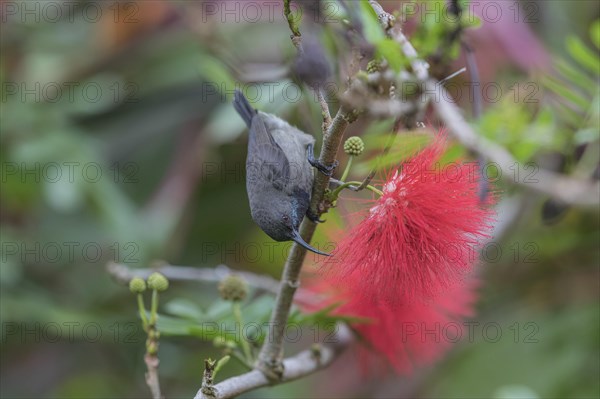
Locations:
{"points": [[243, 107]]}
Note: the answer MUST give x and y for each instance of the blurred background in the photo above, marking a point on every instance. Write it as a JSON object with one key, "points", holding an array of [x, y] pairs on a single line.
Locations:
{"points": [[119, 143]]}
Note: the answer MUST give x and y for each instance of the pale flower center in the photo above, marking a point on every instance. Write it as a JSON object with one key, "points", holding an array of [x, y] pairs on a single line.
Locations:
{"points": [[386, 203]]}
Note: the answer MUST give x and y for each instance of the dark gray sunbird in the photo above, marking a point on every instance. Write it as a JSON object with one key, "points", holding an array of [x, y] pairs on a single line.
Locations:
{"points": [[279, 176]]}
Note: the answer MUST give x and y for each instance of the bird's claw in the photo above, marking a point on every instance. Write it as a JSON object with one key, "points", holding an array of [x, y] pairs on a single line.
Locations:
{"points": [[313, 217], [327, 170]]}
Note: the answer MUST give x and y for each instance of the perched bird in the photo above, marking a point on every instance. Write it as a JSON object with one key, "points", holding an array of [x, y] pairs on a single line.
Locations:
{"points": [[279, 176]]}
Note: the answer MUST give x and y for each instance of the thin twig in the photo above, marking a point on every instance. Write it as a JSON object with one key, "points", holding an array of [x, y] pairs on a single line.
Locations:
{"points": [[295, 367], [453, 75], [152, 375], [207, 389], [324, 109], [570, 190], [388, 23], [123, 274]]}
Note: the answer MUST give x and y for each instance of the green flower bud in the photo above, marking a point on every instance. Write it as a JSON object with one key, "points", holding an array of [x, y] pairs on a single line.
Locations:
{"points": [[233, 288], [373, 66], [137, 285], [158, 282], [354, 146]]}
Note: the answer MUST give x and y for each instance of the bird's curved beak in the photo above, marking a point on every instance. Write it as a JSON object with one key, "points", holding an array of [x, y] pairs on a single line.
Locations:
{"points": [[300, 241]]}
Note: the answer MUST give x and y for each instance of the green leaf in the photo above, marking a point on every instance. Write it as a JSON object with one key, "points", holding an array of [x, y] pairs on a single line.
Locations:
{"points": [[514, 127], [595, 33], [569, 115], [565, 92], [404, 146], [174, 326], [184, 308], [325, 319], [219, 309], [390, 50], [259, 309], [583, 54], [371, 25], [580, 79]]}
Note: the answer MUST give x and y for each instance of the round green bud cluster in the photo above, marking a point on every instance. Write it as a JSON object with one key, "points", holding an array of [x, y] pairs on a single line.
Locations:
{"points": [[354, 146], [137, 285], [233, 288], [373, 66], [158, 282]]}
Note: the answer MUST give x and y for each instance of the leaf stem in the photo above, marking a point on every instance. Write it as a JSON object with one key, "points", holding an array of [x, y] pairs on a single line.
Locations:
{"points": [[337, 191], [142, 311], [154, 308], [347, 170], [237, 314]]}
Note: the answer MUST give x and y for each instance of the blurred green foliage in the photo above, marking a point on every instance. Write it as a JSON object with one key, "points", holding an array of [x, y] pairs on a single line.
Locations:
{"points": [[170, 151]]}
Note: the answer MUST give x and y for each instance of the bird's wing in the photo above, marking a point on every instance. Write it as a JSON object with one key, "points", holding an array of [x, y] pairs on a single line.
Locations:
{"points": [[267, 155]]}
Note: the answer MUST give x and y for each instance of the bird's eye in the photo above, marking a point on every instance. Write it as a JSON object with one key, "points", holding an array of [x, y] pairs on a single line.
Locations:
{"points": [[285, 218]]}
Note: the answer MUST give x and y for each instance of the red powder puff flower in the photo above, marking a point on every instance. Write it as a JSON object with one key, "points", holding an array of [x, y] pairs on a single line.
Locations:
{"points": [[402, 335], [420, 237], [409, 334]]}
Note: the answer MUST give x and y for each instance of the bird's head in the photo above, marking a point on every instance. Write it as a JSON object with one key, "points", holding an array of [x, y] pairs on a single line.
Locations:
{"points": [[281, 221]]}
